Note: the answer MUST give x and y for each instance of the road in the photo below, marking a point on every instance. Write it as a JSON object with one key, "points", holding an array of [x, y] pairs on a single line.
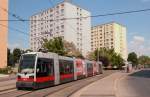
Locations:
{"points": [[134, 85], [64, 90], [119, 84]]}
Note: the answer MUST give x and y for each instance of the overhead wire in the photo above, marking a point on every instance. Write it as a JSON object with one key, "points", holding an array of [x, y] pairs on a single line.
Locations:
{"points": [[14, 29], [12, 14], [92, 16]]}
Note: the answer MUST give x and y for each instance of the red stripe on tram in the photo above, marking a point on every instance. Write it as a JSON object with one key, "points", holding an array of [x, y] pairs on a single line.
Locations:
{"points": [[25, 79], [44, 79], [63, 76], [38, 79]]}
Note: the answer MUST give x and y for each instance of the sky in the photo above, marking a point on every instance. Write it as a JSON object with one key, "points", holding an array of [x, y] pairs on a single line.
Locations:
{"points": [[137, 24]]}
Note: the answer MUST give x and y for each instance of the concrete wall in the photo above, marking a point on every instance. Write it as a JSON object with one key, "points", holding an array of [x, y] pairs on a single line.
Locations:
{"points": [[3, 33]]}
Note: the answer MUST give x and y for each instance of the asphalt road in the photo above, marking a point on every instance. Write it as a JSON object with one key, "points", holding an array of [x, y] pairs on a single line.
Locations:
{"points": [[119, 84], [136, 84], [10, 77]]}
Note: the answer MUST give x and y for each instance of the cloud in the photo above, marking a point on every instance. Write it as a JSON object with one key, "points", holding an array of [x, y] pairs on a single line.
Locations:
{"points": [[139, 45], [137, 40]]}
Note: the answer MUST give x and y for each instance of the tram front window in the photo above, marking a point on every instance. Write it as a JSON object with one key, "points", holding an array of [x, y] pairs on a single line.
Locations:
{"points": [[27, 64]]}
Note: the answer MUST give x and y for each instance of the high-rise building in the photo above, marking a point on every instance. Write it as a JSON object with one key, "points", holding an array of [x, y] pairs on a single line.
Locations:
{"points": [[3, 33], [57, 21], [110, 35]]}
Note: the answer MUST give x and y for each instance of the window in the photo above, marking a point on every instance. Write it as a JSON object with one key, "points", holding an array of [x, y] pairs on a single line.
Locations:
{"points": [[62, 26], [51, 10], [89, 67], [57, 6], [66, 67], [51, 15], [45, 67], [27, 64], [62, 10], [62, 5]]}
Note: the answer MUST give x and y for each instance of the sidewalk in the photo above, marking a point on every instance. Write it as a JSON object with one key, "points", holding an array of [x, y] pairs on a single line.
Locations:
{"points": [[3, 75], [106, 87]]}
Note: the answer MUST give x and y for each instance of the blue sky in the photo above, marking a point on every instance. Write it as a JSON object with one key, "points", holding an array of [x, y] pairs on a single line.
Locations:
{"points": [[138, 24]]}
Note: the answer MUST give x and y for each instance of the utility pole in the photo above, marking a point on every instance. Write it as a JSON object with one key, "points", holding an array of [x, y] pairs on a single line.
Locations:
{"points": [[98, 54]]}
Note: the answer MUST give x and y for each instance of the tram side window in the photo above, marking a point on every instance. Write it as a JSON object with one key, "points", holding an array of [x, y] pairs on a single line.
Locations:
{"points": [[89, 66], [66, 67], [45, 67]]}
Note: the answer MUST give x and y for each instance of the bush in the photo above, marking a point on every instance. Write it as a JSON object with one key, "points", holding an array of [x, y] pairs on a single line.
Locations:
{"points": [[6, 70]]}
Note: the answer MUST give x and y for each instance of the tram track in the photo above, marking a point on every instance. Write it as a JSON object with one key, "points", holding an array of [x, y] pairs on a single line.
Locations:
{"points": [[7, 89], [14, 93], [65, 90]]}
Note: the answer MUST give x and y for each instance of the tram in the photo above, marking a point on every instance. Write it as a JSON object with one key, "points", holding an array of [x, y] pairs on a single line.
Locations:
{"points": [[39, 70]]}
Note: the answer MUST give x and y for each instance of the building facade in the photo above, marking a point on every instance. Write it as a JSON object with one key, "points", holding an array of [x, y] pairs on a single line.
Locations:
{"points": [[110, 35], [54, 23], [3, 33]]}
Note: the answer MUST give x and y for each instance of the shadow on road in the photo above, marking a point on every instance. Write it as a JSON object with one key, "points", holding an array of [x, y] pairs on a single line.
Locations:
{"points": [[142, 73]]}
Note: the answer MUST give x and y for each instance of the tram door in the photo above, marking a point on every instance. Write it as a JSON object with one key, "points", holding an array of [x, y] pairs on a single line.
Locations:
{"points": [[45, 72]]}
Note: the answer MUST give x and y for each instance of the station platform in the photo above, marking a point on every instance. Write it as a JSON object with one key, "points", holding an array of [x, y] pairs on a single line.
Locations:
{"points": [[106, 87]]}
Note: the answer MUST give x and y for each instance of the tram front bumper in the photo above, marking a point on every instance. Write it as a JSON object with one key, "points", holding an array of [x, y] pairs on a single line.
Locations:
{"points": [[21, 84]]}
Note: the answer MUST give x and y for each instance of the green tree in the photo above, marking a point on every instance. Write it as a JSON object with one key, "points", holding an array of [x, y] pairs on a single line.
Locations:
{"points": [[61, 47], [144, 60], [71, 50], [16, 54], [8, 55], [117, 60], [54, 45], [132, 57], [10, 60], [107, 56]]}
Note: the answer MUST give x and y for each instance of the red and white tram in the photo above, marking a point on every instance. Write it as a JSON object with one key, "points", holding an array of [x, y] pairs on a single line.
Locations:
{"points": [[39, 70]]}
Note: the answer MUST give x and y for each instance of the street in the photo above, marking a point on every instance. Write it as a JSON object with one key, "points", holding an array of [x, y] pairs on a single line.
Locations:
{"points": [[135, 85], [119, 84]]}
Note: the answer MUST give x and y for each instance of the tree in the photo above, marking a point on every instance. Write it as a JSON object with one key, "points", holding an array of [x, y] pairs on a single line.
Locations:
{"points": [[54, 45], [144, 60], [10, 60], [117, 60], [107, 56], [61, 47], [132, 57], [71, 50], [16, 54], [8, 55]]}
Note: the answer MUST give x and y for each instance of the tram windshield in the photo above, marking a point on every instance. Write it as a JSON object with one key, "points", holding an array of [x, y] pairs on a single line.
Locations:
{"points": [[27, 64]]}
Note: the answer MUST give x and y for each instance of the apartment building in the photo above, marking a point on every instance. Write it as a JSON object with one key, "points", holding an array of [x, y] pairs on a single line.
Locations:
{"points": [[3, 33], [110, 35], [55, 22]]}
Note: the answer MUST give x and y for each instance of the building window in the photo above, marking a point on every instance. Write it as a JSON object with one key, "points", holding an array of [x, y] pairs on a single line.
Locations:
{"points": [[57, 6], [51, 15], [62, 10], [62, 5]]}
